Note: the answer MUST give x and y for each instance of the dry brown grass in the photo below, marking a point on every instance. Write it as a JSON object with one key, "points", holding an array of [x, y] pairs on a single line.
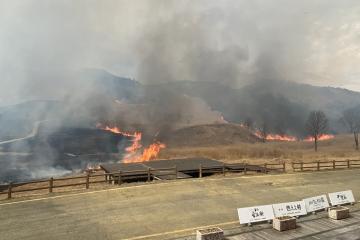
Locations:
{"points": [[342, 147]]}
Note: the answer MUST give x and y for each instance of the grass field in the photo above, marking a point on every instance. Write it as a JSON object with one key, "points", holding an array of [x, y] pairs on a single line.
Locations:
{"points": [[339, 148]]}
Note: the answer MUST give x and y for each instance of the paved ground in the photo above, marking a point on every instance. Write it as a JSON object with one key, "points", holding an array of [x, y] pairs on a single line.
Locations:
{"points": [[163, 210], [308, 228]]}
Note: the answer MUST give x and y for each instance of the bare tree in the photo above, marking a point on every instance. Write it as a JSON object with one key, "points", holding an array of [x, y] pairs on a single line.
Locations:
{"points": [[316, 125], [351, 118]]}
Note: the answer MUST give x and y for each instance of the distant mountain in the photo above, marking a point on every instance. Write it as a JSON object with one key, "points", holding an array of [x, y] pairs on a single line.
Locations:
{"points": [[109, 84], [283, 105], [18, 120], [329, 99], [92, 92]]}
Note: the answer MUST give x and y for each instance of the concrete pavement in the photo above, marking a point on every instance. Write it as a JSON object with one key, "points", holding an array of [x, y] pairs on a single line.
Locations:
{"points": [[163, 210]]}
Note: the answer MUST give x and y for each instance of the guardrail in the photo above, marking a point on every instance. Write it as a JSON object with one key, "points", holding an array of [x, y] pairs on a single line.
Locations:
{"points": [[152, 173]]}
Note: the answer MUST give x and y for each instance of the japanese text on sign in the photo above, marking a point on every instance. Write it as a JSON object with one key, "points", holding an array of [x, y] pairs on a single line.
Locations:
{"points": [[289, 209], [339, 198], [255, 214], [316, 203]]}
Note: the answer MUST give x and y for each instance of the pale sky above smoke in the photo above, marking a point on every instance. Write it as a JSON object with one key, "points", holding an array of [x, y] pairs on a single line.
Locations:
{"points": [[232, 41]]}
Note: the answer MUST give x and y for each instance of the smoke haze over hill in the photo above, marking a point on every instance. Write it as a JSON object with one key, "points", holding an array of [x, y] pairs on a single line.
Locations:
{"points": [[230, 42]]}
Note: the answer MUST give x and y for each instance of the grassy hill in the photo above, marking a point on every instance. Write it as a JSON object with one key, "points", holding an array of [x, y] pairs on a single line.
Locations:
{"points": [[210, 135]]}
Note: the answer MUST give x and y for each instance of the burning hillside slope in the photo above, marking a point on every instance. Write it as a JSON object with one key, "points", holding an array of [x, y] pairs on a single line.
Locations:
{"points": [[225, 134]]}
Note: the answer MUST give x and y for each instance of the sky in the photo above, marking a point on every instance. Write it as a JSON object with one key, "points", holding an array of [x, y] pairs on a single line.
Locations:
{"points": [[230, 41]]}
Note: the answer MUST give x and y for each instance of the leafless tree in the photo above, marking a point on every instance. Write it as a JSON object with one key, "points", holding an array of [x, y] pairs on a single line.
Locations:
{"points": [[316, 125], [351, 118]]}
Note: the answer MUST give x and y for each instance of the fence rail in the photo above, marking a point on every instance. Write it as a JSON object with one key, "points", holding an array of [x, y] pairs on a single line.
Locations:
{"points": [[153, 173], [324, 165]]}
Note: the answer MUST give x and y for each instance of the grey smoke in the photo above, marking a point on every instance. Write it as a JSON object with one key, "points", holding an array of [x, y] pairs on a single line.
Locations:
{"points": [[45, 45], [229, 41]]}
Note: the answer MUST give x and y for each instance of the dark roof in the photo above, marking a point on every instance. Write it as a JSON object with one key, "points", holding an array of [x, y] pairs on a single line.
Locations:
{"points": [[183, 164], [124, 167]]}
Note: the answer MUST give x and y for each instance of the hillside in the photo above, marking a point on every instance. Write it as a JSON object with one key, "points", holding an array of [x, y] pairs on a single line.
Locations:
{"points": [[18, 120], [283, 105], [210, 135], [162, 107]]}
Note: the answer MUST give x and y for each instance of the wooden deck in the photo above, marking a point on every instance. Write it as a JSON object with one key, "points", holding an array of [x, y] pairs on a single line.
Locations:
{"points": [[319, 228]]}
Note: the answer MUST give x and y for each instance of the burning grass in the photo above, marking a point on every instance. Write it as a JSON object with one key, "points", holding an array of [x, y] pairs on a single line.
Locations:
{"points": [[133, 152], [337, 148]]}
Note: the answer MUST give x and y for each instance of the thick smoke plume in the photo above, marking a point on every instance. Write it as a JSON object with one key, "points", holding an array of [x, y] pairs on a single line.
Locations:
{"points": [[159, 41]]}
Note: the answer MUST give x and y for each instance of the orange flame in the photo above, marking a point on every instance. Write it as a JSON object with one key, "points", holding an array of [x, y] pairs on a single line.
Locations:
{"points": [[277, 137], [289, 138], [132, 152], [322, 137], [148, 154], [152, 151]]}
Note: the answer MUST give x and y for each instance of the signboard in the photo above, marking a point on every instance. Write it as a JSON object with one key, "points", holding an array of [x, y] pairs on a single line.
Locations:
{"points": [[316, 203], [255, 214], [291, 209], [339, 198]]}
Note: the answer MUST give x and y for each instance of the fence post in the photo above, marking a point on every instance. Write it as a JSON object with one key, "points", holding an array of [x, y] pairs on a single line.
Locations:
{"points": [[223, 169], [120, 178], [51, 184], [200, 171], [334, 166], [284, 166], [245, 168], [292, 165], [87, 180], [301, 166], [149, 175], [265, 166], [176, 172], [9, 190], [318, 165], [348, 163]]}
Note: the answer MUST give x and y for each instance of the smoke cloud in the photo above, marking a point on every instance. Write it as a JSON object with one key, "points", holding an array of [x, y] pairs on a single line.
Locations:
{"points": [[158, 41]]}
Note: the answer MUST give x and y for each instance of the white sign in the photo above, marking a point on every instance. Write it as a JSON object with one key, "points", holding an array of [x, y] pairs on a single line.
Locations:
{"points": [[291, 209], [339, 198], [255, 214], [316, 203]]}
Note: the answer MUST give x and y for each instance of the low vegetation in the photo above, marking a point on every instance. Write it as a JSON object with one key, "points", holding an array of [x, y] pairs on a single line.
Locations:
{"points": [[341, 147]]}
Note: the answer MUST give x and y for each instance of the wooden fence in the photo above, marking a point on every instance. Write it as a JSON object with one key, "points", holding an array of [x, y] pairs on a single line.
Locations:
{"points": [[324, 165], [151, 173]]}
